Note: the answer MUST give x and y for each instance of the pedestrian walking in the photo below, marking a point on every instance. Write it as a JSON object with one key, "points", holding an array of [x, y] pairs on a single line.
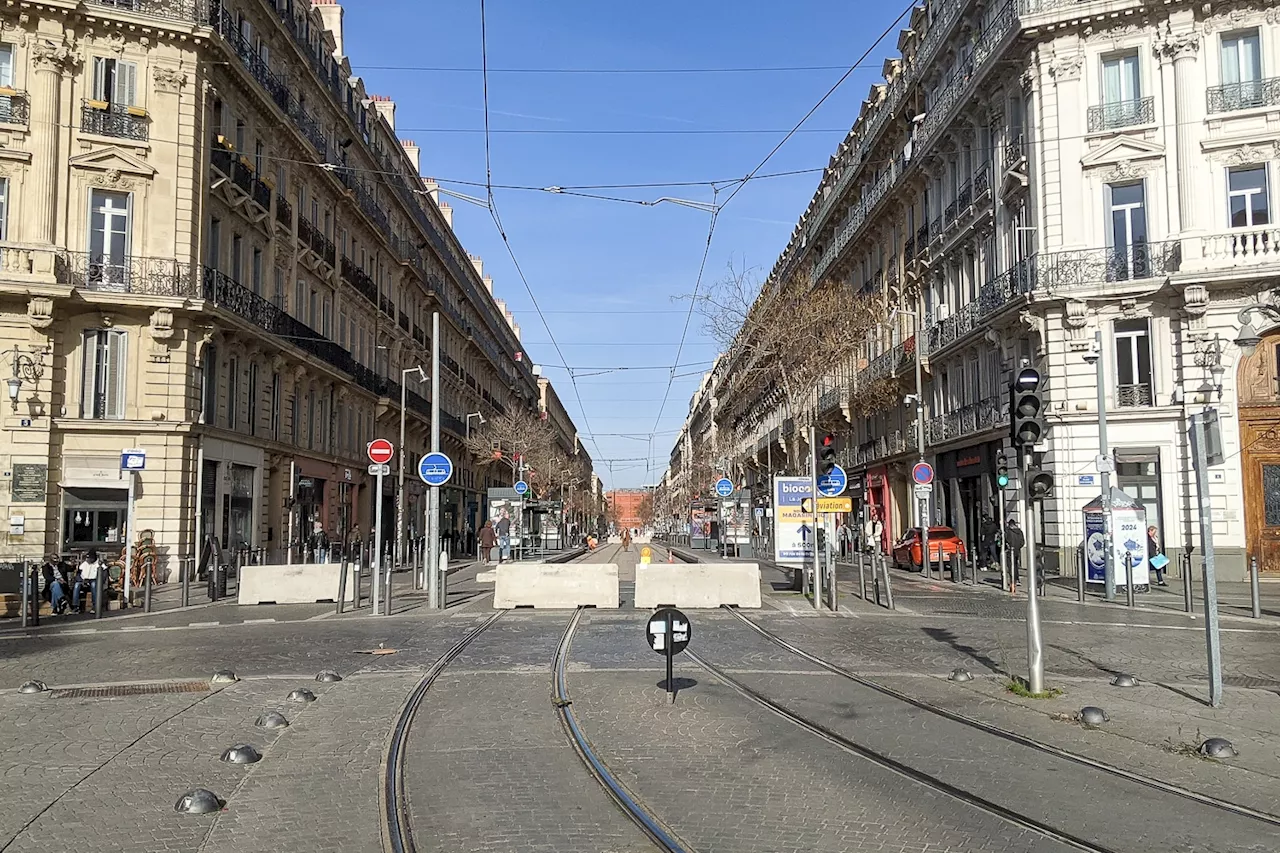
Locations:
{"points": [[488, 538], [503, 529], [1155, 555], [626, 539], [1014, 540], [990, 533]]}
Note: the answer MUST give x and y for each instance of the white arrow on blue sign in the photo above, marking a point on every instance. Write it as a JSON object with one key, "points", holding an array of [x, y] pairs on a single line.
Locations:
{"points": [[521, 487], [833, 485], [435, 469], [724, 487]]}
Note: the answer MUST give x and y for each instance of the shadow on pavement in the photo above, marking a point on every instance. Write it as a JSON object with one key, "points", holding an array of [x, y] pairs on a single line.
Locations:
{"points": [[942, 635]]}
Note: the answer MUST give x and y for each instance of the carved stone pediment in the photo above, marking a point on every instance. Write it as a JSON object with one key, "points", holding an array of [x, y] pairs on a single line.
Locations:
{"points": [[1125, 149], [111, 161]]}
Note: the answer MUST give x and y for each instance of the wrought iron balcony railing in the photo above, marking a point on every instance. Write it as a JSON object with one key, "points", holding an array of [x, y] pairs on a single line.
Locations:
{"points": [[1015, 152], [1120, 114], [981, 182], [360, 280], [175, 10], [1085, 267], [1134, 396], [115, 120], [402, 319], [968, 420], [15, 108], [284, 211], [144, 276], [1244, 96]]}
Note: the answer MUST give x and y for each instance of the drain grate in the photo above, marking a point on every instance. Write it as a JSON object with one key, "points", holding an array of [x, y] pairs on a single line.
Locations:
{"points": [[1251, 682], [118, 690]]}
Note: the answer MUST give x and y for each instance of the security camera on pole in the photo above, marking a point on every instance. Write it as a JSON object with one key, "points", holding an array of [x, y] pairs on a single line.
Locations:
{"points": [[1027, 428]]}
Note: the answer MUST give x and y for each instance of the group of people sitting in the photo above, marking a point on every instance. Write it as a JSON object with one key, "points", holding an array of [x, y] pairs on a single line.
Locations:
{"points": [[64, 585]]}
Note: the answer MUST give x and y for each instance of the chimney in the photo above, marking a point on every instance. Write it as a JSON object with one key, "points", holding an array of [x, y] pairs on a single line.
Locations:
{"points": [[515, 327], [386, 108], [502, 306], [488, 284], [331, 14], [446, 210], [415, 153], [478, 264]]}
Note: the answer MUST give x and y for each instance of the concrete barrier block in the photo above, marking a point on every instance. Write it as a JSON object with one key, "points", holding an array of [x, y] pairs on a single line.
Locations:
{"points": [[302, 583], [556, 585], [490, 576], [697, 585]]}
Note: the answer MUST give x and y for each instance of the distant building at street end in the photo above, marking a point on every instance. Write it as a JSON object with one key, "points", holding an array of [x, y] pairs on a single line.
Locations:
{"points": [[625, 506]]}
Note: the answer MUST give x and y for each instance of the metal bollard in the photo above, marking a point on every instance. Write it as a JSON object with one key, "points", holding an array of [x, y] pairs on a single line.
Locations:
{"points": [[1128, 578], [862, 577], [25, 580], [1185, 564], [146, 587], [1081, 570], [888, 585], [957, 569], [1255, 597], [99, 594], [186, 579], [342, 584]]}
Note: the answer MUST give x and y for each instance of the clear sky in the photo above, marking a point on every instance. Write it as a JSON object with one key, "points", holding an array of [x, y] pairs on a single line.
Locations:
{"points": [[608, 275]]}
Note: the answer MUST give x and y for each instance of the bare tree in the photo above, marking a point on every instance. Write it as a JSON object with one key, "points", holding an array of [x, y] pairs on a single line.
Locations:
{"points": [[525, 444]]}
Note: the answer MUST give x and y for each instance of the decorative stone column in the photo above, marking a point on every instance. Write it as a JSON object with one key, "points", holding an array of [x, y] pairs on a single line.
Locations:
{"points": [[50, 59], [1182, 49]]}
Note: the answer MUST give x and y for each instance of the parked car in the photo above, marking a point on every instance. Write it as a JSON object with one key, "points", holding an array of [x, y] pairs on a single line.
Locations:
{"points": [[942, 541]]}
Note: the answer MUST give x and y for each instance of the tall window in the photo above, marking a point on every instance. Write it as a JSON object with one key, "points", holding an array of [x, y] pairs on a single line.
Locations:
{"points": [[1247, 196], [1129, 256], [253, 398], [214, 249], [109, 238], [1122, 101], [233, 392], [275, 406], [103, 374], [1242, 71], [1133, 363], [237, 257], [256, 271], [295, 418], [6, 79], [209, 386], [115, 81], [4, 208]]}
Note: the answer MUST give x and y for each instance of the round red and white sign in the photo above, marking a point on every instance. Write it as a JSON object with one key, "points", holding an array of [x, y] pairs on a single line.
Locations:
{"points": [[381, 451]]}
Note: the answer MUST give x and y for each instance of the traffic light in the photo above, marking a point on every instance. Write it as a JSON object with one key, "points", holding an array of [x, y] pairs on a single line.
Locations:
{"points": [[1039, 484], [1026, 409], [826, 454], [1002, 469]]}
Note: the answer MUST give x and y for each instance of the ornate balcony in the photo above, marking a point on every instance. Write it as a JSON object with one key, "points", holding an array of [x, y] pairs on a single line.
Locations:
{"points": [[1122, 114], [968, 420], [1243, 96], [1088, 267], [103, 119], [1241, 247], [175, 10], [15, 107], [981, 182], [284, 211], [145, 276], [360, 280], [1134, 396], [1015, 153]]}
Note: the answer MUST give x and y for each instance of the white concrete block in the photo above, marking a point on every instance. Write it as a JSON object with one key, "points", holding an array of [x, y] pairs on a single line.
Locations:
{"points": [[556, 585], [698, 584], [487, 577], [303, 583]]}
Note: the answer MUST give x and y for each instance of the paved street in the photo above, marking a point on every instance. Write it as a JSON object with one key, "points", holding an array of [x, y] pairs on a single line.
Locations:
{"points": [[489, 767]]}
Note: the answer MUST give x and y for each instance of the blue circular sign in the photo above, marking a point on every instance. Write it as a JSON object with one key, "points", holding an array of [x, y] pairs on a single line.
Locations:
{"points": [[435, 469], [724, 487], [922, 473], [833, 485], [521, 488]]}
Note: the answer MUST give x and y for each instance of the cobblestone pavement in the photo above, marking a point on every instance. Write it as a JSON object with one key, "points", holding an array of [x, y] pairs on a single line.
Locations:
{"points": [[489, 767], [1017, 777]]}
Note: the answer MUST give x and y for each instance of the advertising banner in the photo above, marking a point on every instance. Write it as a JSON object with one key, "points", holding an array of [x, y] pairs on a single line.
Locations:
{"points": [[792, 536], [735, 513], [1131, 546]]}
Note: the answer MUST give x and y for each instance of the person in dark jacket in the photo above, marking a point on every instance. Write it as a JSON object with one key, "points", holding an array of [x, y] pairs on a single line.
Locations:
{"points": [[488, 538], [990, 533], [1014, 541]]}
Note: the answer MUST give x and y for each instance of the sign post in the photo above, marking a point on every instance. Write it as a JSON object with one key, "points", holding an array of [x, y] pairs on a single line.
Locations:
{"points": [[132, 461], [435, 469], [669, 632], [922, 474], [1212, 636], [380, 452]]}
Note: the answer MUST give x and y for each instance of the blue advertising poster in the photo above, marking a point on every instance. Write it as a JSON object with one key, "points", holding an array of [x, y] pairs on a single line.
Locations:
{"points": [[792, 533], [1095, 547]]}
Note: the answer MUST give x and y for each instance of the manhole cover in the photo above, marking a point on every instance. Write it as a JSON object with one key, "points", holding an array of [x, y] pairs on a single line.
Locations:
{"points": [[130, 690]]}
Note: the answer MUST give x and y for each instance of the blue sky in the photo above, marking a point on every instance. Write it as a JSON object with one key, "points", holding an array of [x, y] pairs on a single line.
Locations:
{"points": [[608, 275]]}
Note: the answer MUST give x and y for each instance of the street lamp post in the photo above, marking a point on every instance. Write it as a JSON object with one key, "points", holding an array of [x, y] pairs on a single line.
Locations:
{"points": [[469, 417], [400, 543]]}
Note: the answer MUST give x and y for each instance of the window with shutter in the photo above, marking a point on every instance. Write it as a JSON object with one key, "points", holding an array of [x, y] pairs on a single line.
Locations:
{"points": [[253, 398], [104, 363], [4, 208], [6, 65], [209, 387], [233, 392], [126, 80]]}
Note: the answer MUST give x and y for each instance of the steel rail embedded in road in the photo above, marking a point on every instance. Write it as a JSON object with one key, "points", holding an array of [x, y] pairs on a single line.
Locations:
{"points": [[657, 833], [397, 835], [895, 766], [1011, 736]]}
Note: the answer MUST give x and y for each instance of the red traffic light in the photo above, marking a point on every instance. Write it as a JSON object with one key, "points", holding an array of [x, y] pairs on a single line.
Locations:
{"points": [[828, 440]]}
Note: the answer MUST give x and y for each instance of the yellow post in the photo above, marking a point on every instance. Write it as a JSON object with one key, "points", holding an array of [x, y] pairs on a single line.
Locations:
{"points": [[646, 554]]}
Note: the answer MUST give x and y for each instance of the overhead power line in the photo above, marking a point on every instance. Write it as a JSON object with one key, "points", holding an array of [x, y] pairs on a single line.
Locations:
{"points": [[762, 69]]}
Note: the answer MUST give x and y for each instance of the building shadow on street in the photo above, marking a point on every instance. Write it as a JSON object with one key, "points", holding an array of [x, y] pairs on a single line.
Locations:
{"points": [[942, 635]]}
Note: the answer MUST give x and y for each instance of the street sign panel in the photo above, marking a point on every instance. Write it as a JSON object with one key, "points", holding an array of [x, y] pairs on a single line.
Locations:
{"points": [[922, 473], [379, 469], [521, 488], [724, 487], [835, 504], [435, 469], [381, 451], [923, 490], [832, 485], [792, 544], [669, 630], [134, 459]]}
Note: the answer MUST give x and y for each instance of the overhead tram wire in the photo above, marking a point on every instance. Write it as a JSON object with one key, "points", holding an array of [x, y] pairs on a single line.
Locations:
{"points": [[502, 232], [763, 69]]}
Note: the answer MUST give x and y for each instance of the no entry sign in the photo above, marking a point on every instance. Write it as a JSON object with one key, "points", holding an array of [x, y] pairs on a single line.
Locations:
{"points": [[381, 451]]}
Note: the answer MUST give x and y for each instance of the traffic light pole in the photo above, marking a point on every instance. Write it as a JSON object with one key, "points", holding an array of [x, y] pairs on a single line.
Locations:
{"points": [[922, 502], [1004, 559], [1035, 643]]}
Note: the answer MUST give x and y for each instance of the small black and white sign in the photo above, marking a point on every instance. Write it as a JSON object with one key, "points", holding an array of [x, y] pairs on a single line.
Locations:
{"points": [[669, 622]]}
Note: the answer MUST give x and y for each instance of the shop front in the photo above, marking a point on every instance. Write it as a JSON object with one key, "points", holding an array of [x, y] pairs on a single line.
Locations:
{"points": [[95, 505], [967, 476], [231, 493], [878, 503]]}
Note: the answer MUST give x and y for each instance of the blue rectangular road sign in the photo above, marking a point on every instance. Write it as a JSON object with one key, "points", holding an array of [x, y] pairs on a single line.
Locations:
{"points": [[792, 533]]}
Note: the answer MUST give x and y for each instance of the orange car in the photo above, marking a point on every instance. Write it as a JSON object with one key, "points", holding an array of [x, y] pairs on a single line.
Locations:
{"points": [[943, 542]]}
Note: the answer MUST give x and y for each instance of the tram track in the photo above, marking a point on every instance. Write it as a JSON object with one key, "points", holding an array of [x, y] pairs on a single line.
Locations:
{"points": [[1010, 736]]}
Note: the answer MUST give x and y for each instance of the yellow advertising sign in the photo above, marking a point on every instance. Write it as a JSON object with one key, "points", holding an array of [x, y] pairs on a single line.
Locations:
{"points": [[646, 554], [827, 505]]}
